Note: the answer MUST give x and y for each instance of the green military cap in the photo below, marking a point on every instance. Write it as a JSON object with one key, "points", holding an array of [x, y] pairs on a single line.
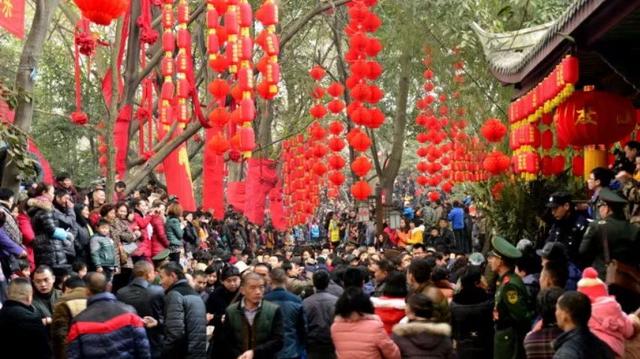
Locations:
{"points": [[608, 196], [502, 248], [161, 256]]}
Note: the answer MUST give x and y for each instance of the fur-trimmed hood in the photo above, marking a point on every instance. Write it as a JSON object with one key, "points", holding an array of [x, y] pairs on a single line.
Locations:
{"points": [[358, 318], [40, 202], [388, 302], [417, 327]]}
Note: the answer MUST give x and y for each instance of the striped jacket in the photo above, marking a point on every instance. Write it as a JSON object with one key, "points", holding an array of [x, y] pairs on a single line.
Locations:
{"points": [[107, 329]]}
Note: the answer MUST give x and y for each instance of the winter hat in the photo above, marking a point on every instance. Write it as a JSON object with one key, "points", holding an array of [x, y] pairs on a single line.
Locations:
{"points": [[229, 272], [591, 285]]}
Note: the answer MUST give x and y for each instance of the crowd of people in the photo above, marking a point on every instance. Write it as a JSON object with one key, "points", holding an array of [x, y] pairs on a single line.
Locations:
{"points": [[138, 277]]}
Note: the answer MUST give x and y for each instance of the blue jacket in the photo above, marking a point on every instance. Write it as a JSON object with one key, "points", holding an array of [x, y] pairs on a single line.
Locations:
{"points": [[107, 329], [293, 322], [456, 217]]}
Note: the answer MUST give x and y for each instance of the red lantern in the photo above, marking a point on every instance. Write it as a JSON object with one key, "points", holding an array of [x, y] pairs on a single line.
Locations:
{"points": [[594, 117], [493, 130], [218, 144], [335, 89], [422, 180], [578, 166], [423, 166], [361, 166], [318, 111], [337, 178], [434, 196], [219, 117], [317, 73], [361, 190], [317, 132], [219, 88], [447, 187], [336, 144], [422, 151], [546, 140], [336, 127], [336, 106], [319, 169], [104, 11], [360, 142], [336, 162]]}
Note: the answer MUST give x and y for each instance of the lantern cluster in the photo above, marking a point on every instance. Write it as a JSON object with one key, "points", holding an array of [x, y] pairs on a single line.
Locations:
{"points": [[530, 117], [183, 64], [167, 66], [301, 182], [363, 71], [230, 50]]}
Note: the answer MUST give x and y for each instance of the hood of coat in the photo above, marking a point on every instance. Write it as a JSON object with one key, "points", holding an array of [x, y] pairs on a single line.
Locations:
{"points": [[357, 318], [40, 202], [417, 327], [388, 302]]}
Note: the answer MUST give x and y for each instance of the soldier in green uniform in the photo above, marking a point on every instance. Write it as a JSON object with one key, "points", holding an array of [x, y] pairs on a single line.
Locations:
{"points": [[623, 244], [512, 313]]}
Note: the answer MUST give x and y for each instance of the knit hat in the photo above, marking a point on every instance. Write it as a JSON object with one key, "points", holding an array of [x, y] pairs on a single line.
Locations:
{"points": [[229, 272], [591, 285]]}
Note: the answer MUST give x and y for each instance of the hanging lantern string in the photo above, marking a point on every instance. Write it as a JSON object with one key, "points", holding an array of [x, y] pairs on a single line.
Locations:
{"points": [[475, 81]]}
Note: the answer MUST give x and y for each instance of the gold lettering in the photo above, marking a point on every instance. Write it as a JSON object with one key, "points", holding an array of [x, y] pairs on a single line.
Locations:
{"points": [[586, 116]]}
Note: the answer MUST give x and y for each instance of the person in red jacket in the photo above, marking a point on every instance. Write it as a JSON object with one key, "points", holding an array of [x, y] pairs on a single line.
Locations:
{"points": [[24, 225], [390, 307], [143, 223], [159, 240]]}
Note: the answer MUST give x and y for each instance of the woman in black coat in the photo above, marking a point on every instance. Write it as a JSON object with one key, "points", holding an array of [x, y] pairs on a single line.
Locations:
{"points": [[85, 232], [51, 245], [472, 317]]}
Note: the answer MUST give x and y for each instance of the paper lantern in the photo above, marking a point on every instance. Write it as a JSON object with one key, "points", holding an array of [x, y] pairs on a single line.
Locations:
{"points": [[493, 130], [337, 178], [219, 117], [102, 12], [422, 151], [317, 73], [218, 144], [336, 162], [247, 139], [319, 169], [336, 106], [422, 180], [335, 89], [361, 166], [577, 167], [336, 144], [434, 196], [318, 111], [336, 127], [317, 132], [360, 142], [361, 190], [594, 117], [447, 187], [423, 166], [546, 140]]}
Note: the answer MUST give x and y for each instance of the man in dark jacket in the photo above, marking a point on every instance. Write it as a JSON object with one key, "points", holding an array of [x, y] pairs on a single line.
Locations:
{"points": [[22, 334], [45, 294], [252, 327], [573, 311], [107, 328], [319, 312], [185, 323], [292, 315], [148, 301], [222, 296]]}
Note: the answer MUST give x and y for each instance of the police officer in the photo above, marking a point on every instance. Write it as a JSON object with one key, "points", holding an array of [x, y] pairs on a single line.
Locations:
{"points": [[623, 242], [568, 226], [512, 312]]}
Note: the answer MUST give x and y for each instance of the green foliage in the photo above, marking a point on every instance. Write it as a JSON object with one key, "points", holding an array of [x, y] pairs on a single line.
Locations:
{"points": [[16, 145], [515, 212]]}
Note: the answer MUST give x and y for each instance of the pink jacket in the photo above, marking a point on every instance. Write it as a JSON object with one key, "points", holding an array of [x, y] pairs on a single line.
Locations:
{"points": [[362, 338], [609, 323]]}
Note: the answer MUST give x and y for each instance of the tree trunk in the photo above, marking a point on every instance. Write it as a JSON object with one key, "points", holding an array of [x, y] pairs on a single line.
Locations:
{"points": [[31, 53], [113, 112], [389, 171]]}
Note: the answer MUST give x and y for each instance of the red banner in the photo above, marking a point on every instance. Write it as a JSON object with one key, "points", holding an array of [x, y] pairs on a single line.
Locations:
{"points": [[12, 16], [178, 172], [235, 195], [213, 180], [261, 178]]}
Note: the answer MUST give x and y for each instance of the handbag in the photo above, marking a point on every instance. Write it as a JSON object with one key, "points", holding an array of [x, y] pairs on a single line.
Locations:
{"points": [[620, 274]]}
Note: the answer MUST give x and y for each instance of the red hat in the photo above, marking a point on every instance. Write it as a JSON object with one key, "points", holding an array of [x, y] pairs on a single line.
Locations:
{"points": [[591, 285]]}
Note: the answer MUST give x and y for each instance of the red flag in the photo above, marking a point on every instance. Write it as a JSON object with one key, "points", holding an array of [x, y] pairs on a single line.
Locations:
{"points": [[12, 16], [261, 178]]}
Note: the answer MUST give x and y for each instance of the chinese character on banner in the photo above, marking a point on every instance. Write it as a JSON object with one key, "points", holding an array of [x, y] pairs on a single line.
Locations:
{"points": [[12, 16]]}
